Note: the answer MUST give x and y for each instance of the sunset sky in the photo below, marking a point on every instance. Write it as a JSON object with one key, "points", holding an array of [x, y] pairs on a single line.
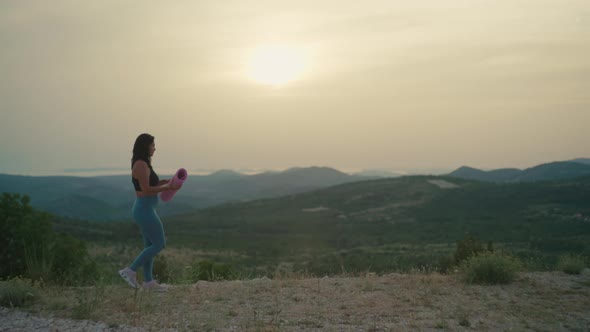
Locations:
{"points": [[275, 84]]}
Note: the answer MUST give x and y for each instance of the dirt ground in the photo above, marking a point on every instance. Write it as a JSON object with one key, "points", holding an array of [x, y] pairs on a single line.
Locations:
{"points": [[548, 301]]}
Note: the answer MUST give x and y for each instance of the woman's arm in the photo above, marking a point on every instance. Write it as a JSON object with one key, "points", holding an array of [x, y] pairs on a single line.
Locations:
{"points": [[141, 172], [163, 182]]}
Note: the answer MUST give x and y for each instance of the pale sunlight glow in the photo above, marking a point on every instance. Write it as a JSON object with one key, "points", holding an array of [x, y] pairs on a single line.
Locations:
{"points": [[277, 64]]}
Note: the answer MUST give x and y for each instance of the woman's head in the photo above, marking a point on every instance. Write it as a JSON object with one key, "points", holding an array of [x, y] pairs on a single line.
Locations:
{"points": [[143, 149]]}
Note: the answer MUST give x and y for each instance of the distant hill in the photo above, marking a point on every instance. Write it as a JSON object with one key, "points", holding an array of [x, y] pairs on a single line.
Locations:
{"points": [[378, 173], [406, 209], [77, 197], [500, 175], [544, 172], [105, 198], [383, 224], [581, 160], [225, 174]]}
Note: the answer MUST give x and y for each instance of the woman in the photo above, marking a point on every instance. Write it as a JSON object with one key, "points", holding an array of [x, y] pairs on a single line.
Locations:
{"points": [[147, 186]]}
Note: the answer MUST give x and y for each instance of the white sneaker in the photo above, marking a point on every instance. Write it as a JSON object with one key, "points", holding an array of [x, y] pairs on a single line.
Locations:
{"points": [[129, 276], [153, 285]]}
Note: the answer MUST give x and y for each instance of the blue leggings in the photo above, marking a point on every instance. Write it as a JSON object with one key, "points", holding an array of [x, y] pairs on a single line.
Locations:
{"points": [[144, 213]]}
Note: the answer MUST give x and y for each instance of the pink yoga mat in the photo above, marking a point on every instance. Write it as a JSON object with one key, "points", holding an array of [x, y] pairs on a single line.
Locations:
{"points": [[178, 178]]}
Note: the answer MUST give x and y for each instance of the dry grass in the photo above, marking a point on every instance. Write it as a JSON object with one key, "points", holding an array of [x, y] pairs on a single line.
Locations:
{"points": [[396, 302]]}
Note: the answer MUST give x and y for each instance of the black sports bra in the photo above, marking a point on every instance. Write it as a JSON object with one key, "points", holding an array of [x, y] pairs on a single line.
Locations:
{"points": [[154, 180]]}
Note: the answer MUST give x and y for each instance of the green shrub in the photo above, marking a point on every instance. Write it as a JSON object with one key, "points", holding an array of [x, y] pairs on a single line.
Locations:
{"points": [[21, 227], [571, 264], [445, 264], [161, 271], [223, 272], [71, 262], [211, 271], [30, 247], [39, 262], [490, 268], [17, 292], [469, 247]]}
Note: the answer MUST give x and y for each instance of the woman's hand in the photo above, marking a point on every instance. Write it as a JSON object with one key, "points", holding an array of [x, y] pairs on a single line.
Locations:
{"points": [[172, 186]]}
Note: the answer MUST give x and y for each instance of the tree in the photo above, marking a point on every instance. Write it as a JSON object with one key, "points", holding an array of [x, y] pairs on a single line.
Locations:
{"points": [[22, 230], [468, 247], [29, 246]]}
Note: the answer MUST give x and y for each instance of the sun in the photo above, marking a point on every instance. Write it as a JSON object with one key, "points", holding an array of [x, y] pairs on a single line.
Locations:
{"points": [[277, 64]]}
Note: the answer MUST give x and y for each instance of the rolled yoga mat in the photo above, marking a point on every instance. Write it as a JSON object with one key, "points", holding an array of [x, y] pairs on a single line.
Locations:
{"points": [[178, 178]]}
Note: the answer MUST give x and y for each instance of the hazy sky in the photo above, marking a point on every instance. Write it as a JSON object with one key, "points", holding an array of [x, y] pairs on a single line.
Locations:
{"points": [[376, 84]]}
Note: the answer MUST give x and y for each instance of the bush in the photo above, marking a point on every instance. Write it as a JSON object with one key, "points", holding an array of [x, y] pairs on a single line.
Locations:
{"points": [[161, 271], [490, 268], [21, 228], [17, 292], [38, 262], [469, 247], [30, 247], [71, 262], [445, 264], [571, 264], [210, 271]]}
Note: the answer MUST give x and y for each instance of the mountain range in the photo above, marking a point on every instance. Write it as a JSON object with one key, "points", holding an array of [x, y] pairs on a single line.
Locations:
{"points": [[544, 172], [108, 198]]}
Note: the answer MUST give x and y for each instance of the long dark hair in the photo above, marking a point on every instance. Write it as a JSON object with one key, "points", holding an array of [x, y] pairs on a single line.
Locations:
{"points": [[141, 149]]}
